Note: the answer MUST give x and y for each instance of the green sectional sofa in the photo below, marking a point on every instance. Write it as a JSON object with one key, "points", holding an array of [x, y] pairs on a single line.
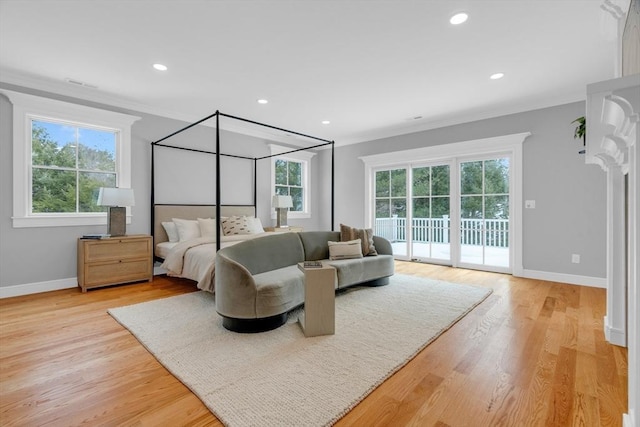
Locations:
{"points": [[257, 282]]}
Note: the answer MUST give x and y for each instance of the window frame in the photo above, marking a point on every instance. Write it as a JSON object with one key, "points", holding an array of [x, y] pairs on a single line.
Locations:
{"points": [[30, 107], [303, 157]]}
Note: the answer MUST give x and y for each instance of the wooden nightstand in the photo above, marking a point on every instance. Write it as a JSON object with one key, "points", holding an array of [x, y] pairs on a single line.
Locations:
{"points": [[283, 229], [115, 260]]}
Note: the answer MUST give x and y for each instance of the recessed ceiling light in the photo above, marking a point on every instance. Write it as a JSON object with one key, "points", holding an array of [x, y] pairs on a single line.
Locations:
{"points": [[160, 67], [262, 101], [496, 76], [459, 18], [326, 122]]}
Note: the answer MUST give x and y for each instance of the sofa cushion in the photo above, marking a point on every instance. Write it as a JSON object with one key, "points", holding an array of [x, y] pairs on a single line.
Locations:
{"points": [[278, 291], [354, 271]]}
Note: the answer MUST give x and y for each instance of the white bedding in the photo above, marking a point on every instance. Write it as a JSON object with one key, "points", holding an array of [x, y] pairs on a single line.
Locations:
{"points": [[163, 249], [195, 259]]}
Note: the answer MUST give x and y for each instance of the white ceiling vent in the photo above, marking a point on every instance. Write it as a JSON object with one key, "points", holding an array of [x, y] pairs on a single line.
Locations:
{"points": [[79, 83]]}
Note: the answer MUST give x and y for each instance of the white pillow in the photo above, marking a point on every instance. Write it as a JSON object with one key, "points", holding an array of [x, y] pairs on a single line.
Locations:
{"points": [[187, 228], [345, 250], [172, 231], [235, 225], [207, 227], [255, 225]]}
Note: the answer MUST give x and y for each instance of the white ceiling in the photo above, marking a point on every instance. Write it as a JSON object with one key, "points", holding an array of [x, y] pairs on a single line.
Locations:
{"points": [[369, 67]]}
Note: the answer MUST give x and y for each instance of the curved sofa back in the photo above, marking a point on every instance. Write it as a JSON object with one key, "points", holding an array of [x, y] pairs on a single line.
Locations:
{"points": [[266, 253], [315, 243]]}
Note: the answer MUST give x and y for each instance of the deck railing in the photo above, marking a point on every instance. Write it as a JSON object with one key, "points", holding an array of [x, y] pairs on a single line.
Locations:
{"points": [[437, 230]]}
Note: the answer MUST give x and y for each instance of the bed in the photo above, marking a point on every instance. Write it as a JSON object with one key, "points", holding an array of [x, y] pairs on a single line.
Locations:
{"points": [[193, 257], [195, 260]]}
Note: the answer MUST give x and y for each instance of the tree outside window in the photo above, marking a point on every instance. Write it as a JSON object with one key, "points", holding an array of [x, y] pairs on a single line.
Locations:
{"points": [[68, 166]]}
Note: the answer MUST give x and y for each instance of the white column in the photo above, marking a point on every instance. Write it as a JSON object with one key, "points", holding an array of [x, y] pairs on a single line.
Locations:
{"points": [[613, 142], [615, 322]]}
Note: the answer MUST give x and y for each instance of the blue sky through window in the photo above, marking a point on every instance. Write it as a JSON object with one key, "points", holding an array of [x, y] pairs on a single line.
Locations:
{"points": [[63, 134]]}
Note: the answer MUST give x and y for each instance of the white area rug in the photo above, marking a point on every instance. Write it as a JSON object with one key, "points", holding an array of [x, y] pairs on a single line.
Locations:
{"points": [[281, 378]]}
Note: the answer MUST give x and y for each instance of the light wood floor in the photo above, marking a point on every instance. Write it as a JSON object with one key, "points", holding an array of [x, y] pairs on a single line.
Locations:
{"points": [[532, 354]]}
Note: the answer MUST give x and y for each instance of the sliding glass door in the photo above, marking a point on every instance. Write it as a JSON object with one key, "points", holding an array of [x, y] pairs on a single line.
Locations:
{"points": [[454, 213], [430, 206], [484, 212], [391, 208], [413, 211]]}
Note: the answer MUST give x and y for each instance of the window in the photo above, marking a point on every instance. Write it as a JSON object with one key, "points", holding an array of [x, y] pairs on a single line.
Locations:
{"points": [[62, 154], [289, 182], [69, 164], [290, 177]]}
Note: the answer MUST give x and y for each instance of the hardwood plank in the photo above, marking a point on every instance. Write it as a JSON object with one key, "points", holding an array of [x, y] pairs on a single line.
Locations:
{"points": [[532, 354]]}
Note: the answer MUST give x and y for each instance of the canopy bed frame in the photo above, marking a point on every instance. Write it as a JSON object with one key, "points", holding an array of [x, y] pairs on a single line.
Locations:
{"points": [[162, 212]]}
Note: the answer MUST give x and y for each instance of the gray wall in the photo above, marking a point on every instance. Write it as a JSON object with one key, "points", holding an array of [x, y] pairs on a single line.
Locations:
{"points": [[570, 215], [31, 255], [570, 196]]}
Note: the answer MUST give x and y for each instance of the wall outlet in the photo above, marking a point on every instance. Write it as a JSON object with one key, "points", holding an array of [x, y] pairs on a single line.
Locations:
{"points": [[530, 204], [575, 258]]}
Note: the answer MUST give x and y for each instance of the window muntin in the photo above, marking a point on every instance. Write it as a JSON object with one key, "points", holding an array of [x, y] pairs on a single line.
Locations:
{"points": [[69, 163]]}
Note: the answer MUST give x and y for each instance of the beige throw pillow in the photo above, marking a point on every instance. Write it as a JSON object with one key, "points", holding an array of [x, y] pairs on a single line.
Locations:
{"points": [[345, 250], [365, 235]]}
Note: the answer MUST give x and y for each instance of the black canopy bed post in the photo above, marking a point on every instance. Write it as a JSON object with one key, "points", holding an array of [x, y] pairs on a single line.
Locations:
{"points": [[218, 198], [153, 192], [333, 181], [255, 184]]}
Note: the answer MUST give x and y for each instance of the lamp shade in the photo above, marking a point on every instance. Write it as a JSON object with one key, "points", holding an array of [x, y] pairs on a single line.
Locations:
{"points": [[109, 196], [281, 201]]}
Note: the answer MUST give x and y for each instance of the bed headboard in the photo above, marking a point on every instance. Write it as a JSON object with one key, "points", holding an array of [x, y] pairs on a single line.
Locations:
{"points": [[164, 213]]}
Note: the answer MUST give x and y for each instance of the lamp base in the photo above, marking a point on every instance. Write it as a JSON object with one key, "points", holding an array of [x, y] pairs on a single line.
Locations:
{"points": [[117, 221], [281, 217]]}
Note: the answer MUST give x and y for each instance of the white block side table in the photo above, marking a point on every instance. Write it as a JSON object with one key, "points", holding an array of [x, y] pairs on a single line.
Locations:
{"points": [[319, 300]]}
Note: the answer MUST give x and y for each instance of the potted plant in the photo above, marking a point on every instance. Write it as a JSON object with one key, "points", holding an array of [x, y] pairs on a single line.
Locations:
{"points": [[581, 131]]}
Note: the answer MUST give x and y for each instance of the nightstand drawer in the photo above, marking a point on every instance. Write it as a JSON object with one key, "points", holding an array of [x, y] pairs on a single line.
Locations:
{"points": [[120, 272], [116, 249]]}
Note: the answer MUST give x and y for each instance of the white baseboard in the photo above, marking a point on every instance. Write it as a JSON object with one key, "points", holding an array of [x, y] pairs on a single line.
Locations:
{"points": [[594, 282], [627, 421], [49, 285], [35, 288], [615, 336]]}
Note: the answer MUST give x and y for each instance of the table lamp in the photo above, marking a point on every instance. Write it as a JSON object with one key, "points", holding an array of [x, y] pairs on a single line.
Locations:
{"points": [[116, 199], [282, 205]]}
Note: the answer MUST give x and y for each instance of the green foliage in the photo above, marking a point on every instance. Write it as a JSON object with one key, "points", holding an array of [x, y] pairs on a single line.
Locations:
{"points": [[581, 129], [488, 177], [57, 184], [484, 187]]}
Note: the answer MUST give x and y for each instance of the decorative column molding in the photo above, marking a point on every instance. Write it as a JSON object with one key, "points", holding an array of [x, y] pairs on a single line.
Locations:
{"points": [[613, 117], [617, 9]]}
